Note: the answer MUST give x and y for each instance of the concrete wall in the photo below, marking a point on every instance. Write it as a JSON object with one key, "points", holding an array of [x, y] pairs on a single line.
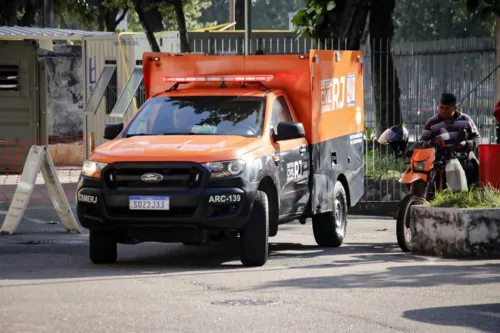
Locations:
{"points": [[63, 94], [454, 233]]}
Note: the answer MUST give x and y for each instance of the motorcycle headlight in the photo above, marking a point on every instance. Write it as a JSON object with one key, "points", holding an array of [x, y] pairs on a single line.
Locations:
{"points": [[93, 169], [226, 168], [419, 166]]}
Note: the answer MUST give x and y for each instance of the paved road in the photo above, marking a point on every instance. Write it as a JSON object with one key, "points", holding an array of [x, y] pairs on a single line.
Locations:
{"points": [[367, 285]]}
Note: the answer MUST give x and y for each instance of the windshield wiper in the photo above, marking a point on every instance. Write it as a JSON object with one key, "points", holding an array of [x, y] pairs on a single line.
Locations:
{"points": [[136, 134], [182, 133]]}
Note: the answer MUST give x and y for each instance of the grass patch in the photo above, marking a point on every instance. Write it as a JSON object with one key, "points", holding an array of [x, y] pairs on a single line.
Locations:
{"points": [[487, 197], [382, 165]]}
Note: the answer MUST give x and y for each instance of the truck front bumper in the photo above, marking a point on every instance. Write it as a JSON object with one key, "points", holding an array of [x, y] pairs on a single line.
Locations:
{"points": [[206, 208]]}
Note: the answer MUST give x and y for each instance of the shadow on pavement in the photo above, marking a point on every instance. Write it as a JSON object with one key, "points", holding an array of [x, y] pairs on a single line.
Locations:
{"points": [[60, 259], [483, 317], [413, 276]]}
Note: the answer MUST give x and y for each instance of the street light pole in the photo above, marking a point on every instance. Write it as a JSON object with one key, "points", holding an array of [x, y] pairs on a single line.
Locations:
{"points": [[248, 25], [232, 12]]}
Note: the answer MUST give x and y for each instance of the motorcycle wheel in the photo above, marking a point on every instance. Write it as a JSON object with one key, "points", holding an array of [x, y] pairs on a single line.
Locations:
{"points": [[403, 230]]}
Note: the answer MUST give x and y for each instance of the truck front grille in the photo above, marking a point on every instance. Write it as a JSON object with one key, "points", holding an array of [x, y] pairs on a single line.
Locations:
{"points": [[174, 175]]}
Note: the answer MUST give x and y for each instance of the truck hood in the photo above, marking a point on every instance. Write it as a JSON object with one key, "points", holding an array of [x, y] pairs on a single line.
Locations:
{"points": [[195, 148]]}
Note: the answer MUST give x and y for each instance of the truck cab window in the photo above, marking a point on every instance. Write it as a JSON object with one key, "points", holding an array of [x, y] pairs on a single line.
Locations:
{"points": [[279, 113], [203, 115]]}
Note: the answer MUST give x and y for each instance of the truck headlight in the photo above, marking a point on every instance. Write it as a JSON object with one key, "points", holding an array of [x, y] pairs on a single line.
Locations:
{"points": [[226, 168], [93, 169]]}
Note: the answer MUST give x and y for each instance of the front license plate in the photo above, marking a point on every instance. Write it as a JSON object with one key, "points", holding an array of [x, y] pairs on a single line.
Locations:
{"points": [[149, 203]]}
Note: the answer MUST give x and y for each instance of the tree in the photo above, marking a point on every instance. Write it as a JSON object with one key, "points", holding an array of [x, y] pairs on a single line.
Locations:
{"points": [[78, 14], [193, 9], [149, 30], [346, 21], [486, 8], [170, 15], [385, 81], [107, 13], [266, 14], [342, 20], [426, 21]]}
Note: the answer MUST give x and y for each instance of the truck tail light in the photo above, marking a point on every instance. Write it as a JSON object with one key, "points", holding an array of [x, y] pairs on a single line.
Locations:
{"points": [[221, 78]]}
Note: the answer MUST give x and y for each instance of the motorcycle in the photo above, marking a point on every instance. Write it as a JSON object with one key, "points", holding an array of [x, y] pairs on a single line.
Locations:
{"points": [[430, 170]]}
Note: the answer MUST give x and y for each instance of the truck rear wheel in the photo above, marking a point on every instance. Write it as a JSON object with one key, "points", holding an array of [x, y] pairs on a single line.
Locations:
{"points": [[102, 247], [254, 246], [330, 228]]}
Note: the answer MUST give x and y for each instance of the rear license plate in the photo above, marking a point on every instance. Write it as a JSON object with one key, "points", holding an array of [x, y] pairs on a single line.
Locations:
{"points": [[149, 203]]}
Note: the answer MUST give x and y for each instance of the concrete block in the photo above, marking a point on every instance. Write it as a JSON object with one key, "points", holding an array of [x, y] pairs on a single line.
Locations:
{"points": [[455, 232]]}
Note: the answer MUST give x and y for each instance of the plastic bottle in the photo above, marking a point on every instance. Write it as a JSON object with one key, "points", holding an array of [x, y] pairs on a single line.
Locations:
{"points": [[455, 175]]}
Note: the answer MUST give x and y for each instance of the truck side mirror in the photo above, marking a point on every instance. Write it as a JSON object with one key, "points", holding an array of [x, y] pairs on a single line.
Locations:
{"points": [[112, 130], [289, 131]]}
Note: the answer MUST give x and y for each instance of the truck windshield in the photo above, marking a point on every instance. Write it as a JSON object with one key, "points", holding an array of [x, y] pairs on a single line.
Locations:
{"points": [[199, 115]]}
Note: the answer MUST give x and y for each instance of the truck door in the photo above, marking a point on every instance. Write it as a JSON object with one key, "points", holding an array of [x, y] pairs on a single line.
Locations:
{"points": [[294, 164]]}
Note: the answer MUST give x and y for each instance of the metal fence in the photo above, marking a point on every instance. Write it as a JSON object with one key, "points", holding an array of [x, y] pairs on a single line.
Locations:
{"points": [[465, 67], [424, 70]]}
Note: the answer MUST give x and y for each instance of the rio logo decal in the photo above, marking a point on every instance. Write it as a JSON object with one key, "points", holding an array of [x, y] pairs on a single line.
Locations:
{"points": [[335, 95]]}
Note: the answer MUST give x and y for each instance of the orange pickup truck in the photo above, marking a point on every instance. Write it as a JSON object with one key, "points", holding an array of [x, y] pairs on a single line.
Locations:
{"points": [[230, 146]]}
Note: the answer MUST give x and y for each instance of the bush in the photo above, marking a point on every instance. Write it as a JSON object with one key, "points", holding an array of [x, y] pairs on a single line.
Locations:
{"points": [[486, 197], [382, 164]]}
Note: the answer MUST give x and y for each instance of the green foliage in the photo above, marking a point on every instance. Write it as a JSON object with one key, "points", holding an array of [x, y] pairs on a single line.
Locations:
{"points": [[382, 164], [486, 8], [310, 21], [266, 14], [192, 10], [431, 19], [273, 15], [192, 13], [487, 197]]}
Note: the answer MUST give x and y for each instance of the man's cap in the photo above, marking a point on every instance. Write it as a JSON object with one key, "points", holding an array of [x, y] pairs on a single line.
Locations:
{"points": [[448, 99]]}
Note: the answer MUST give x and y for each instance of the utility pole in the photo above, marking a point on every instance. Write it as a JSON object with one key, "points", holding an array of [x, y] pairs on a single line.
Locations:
{"points": [[497, 74], [232, 12], [248, 25]]}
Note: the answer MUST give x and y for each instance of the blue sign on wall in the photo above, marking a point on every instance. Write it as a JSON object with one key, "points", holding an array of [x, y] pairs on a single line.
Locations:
{"points": [[92, 73]]}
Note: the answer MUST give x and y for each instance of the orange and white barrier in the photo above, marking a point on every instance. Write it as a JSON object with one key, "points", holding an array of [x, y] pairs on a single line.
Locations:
{"points": [[39, 159], [67, 154]]}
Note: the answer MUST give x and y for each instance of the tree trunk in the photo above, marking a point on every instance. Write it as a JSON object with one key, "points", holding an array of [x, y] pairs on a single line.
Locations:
{"points": [[48, 21], [147, 28], [119, 19], [28, 19], [101, 17], [9, 12], [181, 22], [345, 25], [385, 80], [239, 14], [356, 15]]}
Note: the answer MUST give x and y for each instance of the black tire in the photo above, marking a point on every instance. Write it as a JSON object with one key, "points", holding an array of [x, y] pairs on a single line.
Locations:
{"points": [[254, 246], [330, 228], [102, 247], [402, 221]]}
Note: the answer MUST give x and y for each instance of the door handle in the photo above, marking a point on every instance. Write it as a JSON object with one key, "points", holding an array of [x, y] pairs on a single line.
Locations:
{"points": [[276, 158], [302, 149]]}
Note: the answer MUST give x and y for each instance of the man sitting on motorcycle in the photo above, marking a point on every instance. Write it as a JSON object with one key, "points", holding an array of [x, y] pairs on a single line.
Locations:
{"points": [[451, 127]]}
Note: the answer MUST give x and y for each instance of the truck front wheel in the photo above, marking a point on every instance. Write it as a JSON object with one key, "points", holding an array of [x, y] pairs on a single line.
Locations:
{"points": [[330, 228], [102, 247], [254, 246]]}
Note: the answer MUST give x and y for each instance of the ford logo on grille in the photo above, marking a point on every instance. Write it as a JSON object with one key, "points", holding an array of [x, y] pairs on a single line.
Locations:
{"points": [[151, 177]]}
